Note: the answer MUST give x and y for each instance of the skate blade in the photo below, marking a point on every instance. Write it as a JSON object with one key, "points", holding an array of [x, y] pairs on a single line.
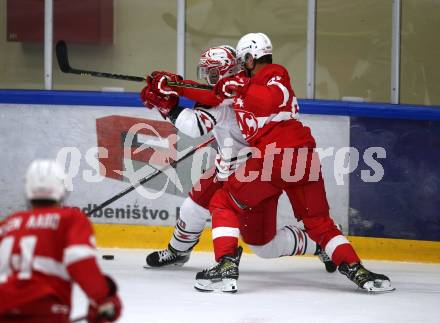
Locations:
{"points": [[378, 286], [223, 286], [170, 266]]}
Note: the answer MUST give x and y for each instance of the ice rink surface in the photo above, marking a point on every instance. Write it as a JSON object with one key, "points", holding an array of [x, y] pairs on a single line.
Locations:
{"points": [[289, 289]]}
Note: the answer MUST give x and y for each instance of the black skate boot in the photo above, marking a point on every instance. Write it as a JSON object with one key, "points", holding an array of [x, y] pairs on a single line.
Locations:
{"points": [[167, 257], [366, 279], [222, 277], [330, 266]]}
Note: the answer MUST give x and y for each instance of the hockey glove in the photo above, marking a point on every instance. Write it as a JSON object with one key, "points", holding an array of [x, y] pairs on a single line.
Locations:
{"points": [[153, 100], [160, 80], [107, 309], [229, 87]]}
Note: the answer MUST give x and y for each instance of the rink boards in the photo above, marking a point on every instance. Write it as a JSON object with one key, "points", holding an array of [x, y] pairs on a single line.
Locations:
{"points": [[394, 217], [152, 237]]}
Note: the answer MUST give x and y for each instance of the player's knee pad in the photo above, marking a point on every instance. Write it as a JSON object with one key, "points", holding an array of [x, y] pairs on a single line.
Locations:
{"points": [[192, 216], [223, 212], [288, 241], [267, 251], [321, 228], [309, 199], [258, 225], [190, 224]]}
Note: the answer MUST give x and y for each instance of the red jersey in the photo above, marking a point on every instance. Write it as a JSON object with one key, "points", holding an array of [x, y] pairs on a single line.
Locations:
{"points": [[268, 108], [42, 251]]}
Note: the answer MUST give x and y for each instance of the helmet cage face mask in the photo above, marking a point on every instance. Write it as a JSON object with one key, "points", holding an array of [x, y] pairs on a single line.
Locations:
{"points": [[210, 74], [217, 63], [243, 59]]}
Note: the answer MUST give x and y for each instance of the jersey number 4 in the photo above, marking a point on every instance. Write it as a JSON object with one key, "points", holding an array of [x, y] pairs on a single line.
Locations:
{"points": [[21, 263]]}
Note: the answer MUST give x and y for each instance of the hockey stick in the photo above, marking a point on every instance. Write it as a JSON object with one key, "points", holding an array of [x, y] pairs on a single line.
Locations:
{"points": [[150, 177], [63, 62]]}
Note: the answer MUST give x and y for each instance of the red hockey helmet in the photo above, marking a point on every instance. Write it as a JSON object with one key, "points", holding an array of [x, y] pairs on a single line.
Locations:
{"points": [[216, 63]]}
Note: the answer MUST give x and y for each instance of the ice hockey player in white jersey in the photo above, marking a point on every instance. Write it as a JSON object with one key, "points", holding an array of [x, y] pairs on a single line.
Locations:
{"points": [[258, 228]]}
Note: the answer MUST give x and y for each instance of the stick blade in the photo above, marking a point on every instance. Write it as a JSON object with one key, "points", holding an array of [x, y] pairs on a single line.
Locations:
{"points": [[63, 60]]}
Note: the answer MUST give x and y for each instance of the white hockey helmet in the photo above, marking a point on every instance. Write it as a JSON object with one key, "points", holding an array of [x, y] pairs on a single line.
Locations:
{"points": [[45, 181], [254, 44], [216, 63]]}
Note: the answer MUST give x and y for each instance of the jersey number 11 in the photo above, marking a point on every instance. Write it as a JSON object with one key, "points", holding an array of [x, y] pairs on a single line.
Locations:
{"points": [[22, 262]]}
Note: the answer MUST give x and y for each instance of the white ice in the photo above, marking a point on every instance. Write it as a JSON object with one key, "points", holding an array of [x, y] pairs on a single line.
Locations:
{"points": [[289, 289]]}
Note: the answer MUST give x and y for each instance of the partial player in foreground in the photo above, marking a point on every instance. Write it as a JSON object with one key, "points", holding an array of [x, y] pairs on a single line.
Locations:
{"points": [[257, 226], [44, 250]]}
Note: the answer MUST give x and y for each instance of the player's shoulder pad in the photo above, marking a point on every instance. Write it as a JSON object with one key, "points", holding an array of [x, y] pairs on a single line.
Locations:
{"points": [[271, 70], [275, 69], [73, 210], [74, 216]]}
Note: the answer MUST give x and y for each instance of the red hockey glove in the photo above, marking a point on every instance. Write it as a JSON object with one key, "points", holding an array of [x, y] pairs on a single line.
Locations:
{"points": [[107, 309], [160, 80], [153, 100], [229, 87]]}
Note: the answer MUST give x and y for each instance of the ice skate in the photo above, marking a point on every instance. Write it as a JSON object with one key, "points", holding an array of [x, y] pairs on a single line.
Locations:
{"points": [[222, 277], [167, 257], [330, 266], [366, 279]]}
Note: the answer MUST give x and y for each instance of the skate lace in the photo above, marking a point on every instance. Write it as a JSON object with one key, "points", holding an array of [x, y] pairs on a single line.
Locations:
{"points": [[166, 255], [223, 268], [212, 269], [323, 256], [362, 275]]}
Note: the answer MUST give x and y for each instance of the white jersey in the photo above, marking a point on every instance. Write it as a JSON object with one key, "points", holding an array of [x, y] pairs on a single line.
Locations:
{"points": [[233, 149]]}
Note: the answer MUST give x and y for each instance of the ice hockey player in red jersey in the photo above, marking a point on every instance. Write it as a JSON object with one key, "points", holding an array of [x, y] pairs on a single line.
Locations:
{"points": [[257, 226], [44, 250], [266, 110]]}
